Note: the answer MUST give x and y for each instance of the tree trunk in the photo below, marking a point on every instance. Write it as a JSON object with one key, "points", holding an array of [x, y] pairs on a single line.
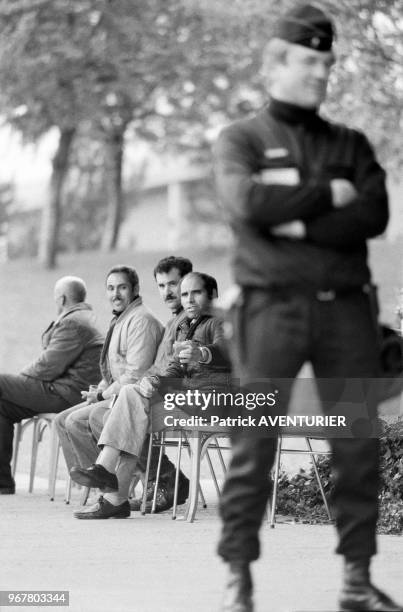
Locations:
{"points": [[51, 214], [113, 176]]}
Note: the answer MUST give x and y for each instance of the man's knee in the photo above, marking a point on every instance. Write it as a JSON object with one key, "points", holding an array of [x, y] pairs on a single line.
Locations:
{"points": [[11, 386], [127, 394], [75, 422], [60, 420]]}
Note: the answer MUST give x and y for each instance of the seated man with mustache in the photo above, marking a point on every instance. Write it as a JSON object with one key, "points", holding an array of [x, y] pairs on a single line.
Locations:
{"points": [[200, 363]]}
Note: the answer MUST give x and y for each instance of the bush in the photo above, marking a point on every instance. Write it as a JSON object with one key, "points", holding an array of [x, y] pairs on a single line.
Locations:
{"points": [[299, 495], [391, 495]]}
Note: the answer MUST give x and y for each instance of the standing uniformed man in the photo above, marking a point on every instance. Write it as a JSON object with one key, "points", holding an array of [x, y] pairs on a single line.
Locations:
{"points": [[303, 195]]}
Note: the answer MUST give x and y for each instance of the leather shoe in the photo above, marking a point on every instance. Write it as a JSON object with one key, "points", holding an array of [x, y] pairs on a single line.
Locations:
{"points": [[238, 591], [96, 476], [368, 599], [103, 509]]}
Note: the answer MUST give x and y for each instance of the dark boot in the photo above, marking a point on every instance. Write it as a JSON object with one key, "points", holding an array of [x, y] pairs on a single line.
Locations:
{"points": [[165, 492], [167, 481], [359, 595], [238, 591], [163, 501], [166, 488]]}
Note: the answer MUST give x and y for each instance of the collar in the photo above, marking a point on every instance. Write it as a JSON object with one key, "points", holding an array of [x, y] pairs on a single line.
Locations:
{"points": [[133, 304], [79, 306], [291, 113], [188, 324]]}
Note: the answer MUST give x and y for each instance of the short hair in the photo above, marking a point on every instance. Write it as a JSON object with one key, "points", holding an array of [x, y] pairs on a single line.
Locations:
{"points": [[130, 273], [73, 287], [209, 283], [165, 265]]}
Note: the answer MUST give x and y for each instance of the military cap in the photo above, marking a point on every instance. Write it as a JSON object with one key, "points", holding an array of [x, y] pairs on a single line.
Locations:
{"points": [[306, 25]]}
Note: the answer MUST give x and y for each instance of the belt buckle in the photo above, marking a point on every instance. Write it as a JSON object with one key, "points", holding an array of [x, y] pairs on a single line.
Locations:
{"points": [[326, 296]]}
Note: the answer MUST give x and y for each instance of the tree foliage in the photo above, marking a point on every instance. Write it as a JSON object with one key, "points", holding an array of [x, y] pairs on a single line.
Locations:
{"points": [[161, 67], [176, 70], [366, 89]]}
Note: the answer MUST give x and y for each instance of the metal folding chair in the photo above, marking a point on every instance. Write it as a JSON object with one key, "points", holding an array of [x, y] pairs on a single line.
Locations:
{"points": [[198, 442], [39, 423], [312, 454]]}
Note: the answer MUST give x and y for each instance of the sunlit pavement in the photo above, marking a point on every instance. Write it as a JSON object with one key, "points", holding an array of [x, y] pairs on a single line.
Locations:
{"points": [[155, 564]]}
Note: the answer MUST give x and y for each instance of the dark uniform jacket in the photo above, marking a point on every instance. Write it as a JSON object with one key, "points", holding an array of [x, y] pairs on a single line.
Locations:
{"points": [[275, 168], [70, 356]]}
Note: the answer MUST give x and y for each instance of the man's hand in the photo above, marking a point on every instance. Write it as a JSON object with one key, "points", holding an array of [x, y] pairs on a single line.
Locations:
{"points": [[145, 387], [293, 229], [189, 351], [343, 192], [91, 396]]}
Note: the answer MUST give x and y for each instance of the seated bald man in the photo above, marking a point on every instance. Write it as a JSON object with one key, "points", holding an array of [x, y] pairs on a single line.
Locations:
{"points": [[68, 363]]}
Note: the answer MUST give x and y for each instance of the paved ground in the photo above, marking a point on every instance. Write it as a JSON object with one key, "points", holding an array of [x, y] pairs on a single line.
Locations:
{"points": [[154, 564]]}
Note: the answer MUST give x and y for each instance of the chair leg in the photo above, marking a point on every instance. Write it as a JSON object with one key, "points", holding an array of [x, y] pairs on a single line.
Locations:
{"points": [[157, 476], [210, 463], [203, 499], [273, 503], [195, 445], [34, 452], [220, 456], [207, 440], [67, 496], [145, 484], [53, 461], [16, 448], [214, 445], [315, 467], [178, 467]]}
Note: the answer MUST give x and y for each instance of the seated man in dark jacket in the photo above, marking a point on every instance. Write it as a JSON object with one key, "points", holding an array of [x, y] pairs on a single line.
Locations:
{"points": [[68, 363], [200, 360]]}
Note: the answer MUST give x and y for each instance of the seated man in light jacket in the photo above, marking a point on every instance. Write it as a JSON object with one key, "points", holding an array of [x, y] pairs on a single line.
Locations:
{"points": [[202, 351], [129, 350], [68, 363]]}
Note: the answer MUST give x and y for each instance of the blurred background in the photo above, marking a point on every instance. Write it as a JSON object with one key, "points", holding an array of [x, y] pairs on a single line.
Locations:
{"points": [[108, 110]]}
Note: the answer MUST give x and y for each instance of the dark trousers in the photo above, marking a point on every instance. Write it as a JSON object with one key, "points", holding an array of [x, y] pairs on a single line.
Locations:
{"points": [[275, 333], [21, 397]]}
